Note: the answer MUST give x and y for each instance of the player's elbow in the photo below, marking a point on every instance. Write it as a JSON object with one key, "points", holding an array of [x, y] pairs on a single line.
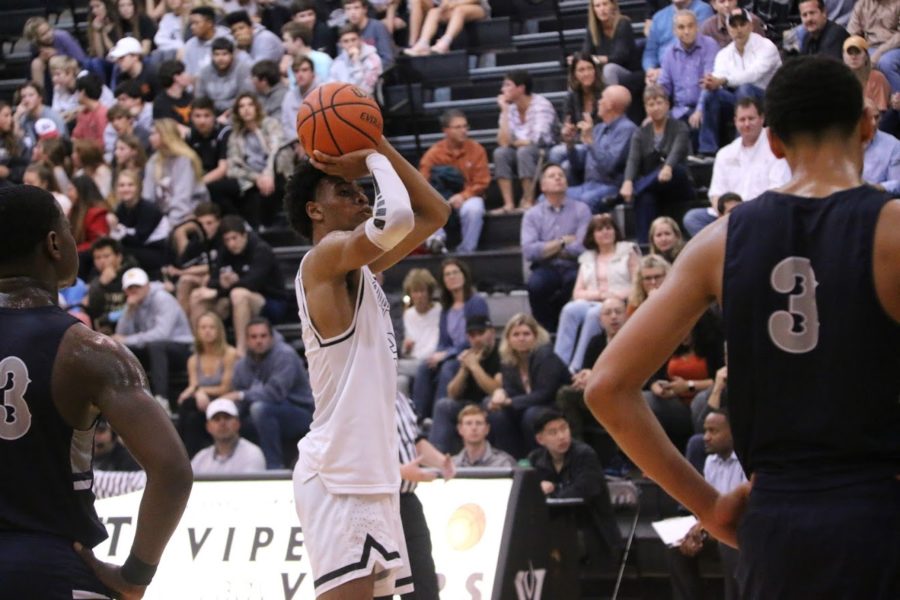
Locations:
{"points": [[600, 394], [175, 475], [389, 229]]}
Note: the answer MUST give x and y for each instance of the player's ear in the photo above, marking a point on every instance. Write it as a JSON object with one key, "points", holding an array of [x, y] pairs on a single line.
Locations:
{"points": [[314, 211], [52, 245], [775, 143]]}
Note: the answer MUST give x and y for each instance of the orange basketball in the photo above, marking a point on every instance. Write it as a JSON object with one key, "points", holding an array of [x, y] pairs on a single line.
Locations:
{"points": [[337, 118]]}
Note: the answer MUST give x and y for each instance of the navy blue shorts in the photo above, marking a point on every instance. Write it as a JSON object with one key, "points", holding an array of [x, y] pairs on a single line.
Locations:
{"points": [[39, 565], [841, 543]]}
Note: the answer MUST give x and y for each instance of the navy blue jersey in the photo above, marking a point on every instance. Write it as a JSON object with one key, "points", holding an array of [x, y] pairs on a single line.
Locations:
{"points": [[45, 465], [814, 360]]}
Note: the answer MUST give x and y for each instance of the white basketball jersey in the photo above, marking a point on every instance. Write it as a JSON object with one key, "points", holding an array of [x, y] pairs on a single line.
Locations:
{"points": [[352, 442]]}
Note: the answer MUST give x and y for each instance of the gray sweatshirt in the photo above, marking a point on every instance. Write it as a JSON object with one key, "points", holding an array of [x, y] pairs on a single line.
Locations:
{"points": [[158, 318], [222, 87]]}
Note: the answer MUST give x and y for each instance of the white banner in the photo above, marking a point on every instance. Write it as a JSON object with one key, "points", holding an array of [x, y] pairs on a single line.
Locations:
{"points": [[242, 540]]}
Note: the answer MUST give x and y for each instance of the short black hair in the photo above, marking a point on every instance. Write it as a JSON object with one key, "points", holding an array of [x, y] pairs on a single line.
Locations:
{"points": [[233, 224], [204, 11], [90, 84], [130, 88], [299, 6], [724, 199], [106, 242], [168, 70], [267, 70], [222, 43], [821, 3], [547, 416], [260, 321], [300, 189], [203, 103], [747, 102], [27, 215], [814, 96], [520, 77], [238, 16]]}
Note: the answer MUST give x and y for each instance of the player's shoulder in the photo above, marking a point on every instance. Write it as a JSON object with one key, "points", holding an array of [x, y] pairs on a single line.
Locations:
{"points": [[85, 354]]}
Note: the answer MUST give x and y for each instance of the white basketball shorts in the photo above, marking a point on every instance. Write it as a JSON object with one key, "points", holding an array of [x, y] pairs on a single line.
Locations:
{"points": [[349, 536]]}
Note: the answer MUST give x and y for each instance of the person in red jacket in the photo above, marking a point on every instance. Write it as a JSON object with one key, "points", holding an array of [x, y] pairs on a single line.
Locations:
{"points": [[87, 217]]}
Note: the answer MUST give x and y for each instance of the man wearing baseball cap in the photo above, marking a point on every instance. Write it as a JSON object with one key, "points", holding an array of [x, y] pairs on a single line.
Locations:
{"points": [[742, 68], [229, 453], [128, 54], [154, 327]]}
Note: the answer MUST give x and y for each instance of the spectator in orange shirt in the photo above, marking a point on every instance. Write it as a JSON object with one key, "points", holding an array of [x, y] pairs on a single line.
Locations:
{"points": [[91, 119], [458, 152]]}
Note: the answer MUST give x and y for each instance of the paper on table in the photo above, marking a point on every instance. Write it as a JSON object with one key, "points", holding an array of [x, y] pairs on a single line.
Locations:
{"points": [[672, 531]]}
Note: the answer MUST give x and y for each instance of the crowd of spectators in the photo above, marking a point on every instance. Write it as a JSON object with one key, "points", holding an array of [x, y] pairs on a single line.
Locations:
{"points": [[167, 134]]}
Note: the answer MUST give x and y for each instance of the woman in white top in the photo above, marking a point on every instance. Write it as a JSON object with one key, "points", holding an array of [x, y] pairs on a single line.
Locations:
{"points": [[605, 269], [421, 325]]}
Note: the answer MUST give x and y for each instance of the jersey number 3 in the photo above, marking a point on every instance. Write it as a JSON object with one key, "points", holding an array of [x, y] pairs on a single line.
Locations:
{"points": [[795, 330], [15, 418]]}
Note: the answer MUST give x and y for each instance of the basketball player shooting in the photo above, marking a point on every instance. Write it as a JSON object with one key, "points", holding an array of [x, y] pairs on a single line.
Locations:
{"points": [[808, 277], [56, 377], [346, 480]]}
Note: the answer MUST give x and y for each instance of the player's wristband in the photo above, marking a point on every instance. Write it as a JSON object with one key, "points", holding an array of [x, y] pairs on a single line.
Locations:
{"points": [[137, 572]]}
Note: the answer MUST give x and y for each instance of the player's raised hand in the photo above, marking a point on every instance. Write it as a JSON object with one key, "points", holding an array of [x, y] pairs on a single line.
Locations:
{"points": [[110, 575], [350, 166]]}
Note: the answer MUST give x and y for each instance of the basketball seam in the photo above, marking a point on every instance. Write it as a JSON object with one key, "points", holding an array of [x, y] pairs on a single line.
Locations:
{"points": [[338, 115], [328, 127]]}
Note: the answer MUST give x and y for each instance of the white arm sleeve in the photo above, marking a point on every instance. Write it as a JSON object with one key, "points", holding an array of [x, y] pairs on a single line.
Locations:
{"points": [[392, 217]]}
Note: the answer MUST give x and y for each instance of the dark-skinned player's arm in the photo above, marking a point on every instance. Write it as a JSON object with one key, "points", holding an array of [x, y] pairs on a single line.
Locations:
{"points": [[886, 259], [648, 339], [112, 379], [407, 210]]}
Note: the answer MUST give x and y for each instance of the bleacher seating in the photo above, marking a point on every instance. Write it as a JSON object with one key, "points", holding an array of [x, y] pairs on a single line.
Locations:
{"points": [[535, 35]]}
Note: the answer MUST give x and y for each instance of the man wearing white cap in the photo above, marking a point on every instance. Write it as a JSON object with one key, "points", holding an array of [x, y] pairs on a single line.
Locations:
{"points": [[128, 54], [154, 327], [229, 453]]}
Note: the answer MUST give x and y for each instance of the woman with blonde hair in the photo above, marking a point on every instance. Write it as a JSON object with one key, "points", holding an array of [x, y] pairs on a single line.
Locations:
{"points": [[139, 225], [666, 239], [531, 374], [650, 274], [173, 178], [210, 370], [610, 42], [252, 149]]}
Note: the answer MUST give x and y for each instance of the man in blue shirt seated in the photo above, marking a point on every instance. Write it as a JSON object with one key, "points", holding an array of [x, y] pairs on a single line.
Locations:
{"points": [[607, 146], [723, 471], [683, 66], [272, 387], [881, 161], [662, 36]]}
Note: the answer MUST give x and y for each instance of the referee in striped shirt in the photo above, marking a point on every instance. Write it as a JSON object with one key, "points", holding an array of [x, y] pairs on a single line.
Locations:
{"points": [[416, 451]]}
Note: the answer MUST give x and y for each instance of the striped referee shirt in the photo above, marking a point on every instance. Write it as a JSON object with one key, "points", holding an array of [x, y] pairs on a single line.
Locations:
{"points": [[408, 430]]}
